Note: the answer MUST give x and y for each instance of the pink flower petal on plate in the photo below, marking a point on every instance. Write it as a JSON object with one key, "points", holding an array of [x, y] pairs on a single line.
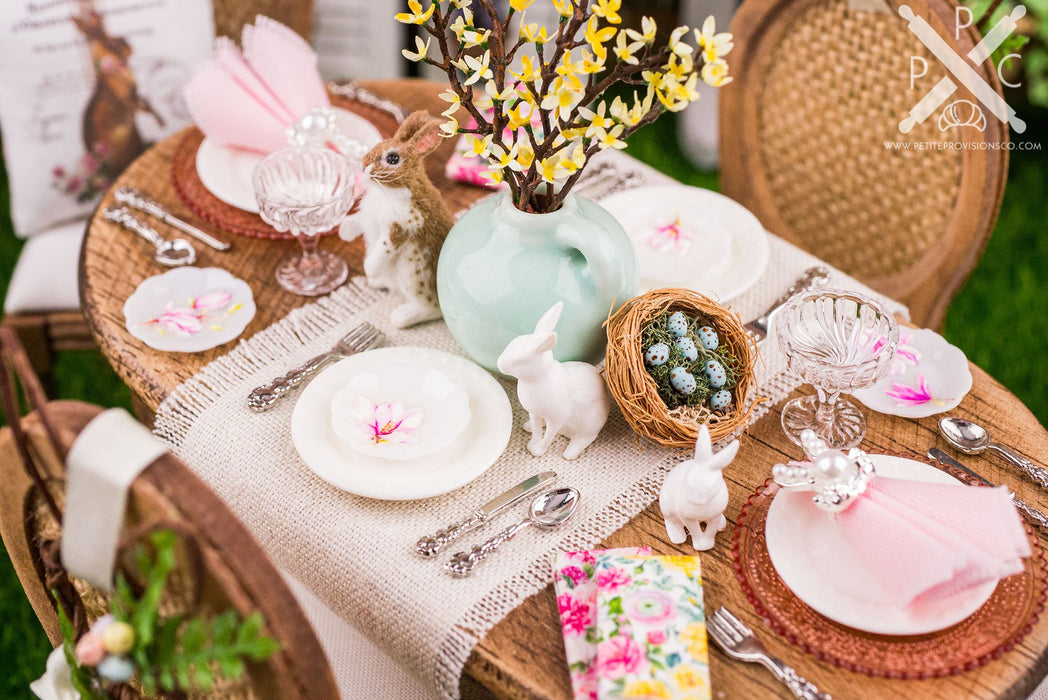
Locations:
{"points": [[905, 395], [412, 419], [383, 414], [363, 410], [181, 321], [213, 300]]}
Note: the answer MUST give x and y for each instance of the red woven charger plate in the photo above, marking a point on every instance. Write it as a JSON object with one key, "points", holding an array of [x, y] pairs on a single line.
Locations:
{"points": [[226, 217], [993, 630]]}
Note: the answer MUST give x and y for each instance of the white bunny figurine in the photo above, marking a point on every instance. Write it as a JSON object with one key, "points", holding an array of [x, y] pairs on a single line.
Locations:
{"points": [[561, 398], [694, 495]]}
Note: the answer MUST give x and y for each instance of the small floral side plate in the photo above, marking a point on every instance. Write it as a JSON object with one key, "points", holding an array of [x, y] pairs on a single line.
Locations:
{"points": [[189, 309], [399, 411], [928, 376]]}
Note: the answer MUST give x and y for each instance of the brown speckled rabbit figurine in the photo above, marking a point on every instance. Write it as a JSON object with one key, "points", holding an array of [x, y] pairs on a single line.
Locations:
{"points": [[403, 219]]}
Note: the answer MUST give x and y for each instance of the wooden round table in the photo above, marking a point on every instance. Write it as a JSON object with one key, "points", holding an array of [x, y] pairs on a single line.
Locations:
{"points": [[523, 656]]}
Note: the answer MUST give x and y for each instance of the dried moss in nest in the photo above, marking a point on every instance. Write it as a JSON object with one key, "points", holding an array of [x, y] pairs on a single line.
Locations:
{"points": [[656, 332]]}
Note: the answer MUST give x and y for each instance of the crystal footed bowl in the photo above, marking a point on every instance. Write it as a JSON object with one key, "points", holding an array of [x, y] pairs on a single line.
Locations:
{"points": [[303, 190], [838, 341], [306, 191]]}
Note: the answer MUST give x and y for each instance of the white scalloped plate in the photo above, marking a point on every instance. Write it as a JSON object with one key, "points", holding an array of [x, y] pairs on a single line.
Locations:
{"points": [[724, 249], [165, 311], [942, 367], [440, 405], [226, 171]]}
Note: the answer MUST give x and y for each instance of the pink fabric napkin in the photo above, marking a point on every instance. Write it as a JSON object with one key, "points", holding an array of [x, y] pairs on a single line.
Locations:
{"points": [[925, 542], [248, 98]]}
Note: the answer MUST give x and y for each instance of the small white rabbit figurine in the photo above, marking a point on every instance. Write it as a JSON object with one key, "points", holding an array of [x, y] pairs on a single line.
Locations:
{"points": [[694, 495], [561, 398]]}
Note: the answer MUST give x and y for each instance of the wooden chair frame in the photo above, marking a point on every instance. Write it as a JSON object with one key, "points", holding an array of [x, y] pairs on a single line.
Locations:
{"points": [[930, 283], [231, 569]]}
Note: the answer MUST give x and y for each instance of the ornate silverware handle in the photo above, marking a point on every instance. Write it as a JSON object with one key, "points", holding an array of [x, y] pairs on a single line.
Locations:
{"points": [[462, 564], [798, 685], [1035, 516], [263, 397], [1038, 474], [812, 277], [122, 216], [430, 545], [354, 92], [136, 200]]}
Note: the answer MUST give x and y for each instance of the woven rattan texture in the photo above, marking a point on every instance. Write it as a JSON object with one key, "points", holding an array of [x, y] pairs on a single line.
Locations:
{"points": [[232, 15], [832, 96]]}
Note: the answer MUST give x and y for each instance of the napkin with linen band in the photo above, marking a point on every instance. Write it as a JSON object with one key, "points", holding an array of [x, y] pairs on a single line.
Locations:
{"points": [[925, 542], [248, 97]]}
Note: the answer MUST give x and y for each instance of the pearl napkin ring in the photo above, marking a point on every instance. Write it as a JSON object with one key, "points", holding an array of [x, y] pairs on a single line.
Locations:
{"points": [[837, 479]]}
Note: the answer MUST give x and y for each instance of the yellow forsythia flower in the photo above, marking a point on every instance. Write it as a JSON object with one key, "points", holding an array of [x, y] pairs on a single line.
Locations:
{"points": [[416, 16]]}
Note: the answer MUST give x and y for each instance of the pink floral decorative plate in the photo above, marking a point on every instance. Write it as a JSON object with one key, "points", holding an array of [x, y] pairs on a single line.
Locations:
{"points": [[400, 411], [928, 376], [690, 237], [189, 309], [472, 450]]}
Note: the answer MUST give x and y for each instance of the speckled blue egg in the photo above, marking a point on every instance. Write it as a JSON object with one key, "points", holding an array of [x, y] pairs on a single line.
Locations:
{"points": [[677, 324], [687, 348], [715, 371], [682, 381], [721, 400], [115, 669], [657, 355], [708, 338]]}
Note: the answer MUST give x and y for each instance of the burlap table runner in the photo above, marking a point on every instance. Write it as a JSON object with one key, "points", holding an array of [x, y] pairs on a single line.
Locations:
{"points": [[356, 554]]}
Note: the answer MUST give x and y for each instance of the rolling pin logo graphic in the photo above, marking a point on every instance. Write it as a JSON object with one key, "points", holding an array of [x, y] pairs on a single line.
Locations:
{"points": [[962, 73]]}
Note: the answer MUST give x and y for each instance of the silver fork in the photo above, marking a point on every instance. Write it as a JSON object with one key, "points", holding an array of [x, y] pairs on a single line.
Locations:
{"points": [[738, 641], [363, 337]]}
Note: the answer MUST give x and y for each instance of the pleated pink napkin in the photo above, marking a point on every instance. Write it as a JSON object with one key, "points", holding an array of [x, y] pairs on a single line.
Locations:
{"points": [[926, 542], [248, 98]]}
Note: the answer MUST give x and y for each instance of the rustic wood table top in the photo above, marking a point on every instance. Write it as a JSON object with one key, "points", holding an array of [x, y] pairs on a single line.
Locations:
{"points": [[523, 656]]}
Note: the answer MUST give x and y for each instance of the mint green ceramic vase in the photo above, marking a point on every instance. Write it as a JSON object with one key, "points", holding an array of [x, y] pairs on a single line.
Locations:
{"points": [[500, 269]]}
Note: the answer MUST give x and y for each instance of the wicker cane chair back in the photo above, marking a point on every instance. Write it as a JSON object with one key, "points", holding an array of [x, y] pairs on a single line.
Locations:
{"points": [[232, 15], [220, 564], [806, 144]]}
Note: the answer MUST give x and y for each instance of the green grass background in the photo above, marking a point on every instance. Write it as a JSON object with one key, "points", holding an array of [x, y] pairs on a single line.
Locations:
{"points": [[999, 320]]}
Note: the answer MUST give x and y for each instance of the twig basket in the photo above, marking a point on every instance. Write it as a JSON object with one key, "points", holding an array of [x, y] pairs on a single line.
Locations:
{"points": [[636, 392]]}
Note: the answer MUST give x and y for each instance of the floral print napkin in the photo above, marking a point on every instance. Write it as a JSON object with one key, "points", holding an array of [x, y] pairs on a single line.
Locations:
{"points": [[576, 576], [651, 629], [634, 625]]}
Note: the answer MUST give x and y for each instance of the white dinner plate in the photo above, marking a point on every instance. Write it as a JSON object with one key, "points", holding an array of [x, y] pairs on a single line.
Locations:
{"points": [[722, 251], [226, 171], [480, 444], [399, 411], [189, 309], [928, 376], [826, 572]]}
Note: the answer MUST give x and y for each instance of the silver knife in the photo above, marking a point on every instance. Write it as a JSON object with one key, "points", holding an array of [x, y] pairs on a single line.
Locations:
{"points": [[813, 277], [1035, 516], [135, 199], [430, 545]]}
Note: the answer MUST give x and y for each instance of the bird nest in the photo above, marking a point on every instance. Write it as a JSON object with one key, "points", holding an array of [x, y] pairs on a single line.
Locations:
{"points": [[637, 392]]}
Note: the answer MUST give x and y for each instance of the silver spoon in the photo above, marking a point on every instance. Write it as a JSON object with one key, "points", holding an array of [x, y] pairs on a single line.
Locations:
{"points": [[548, 510], [174, 253], [971, 438]]}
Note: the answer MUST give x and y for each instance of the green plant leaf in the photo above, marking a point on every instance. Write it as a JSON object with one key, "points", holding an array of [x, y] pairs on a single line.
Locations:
{"points": [[194, 637]]}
